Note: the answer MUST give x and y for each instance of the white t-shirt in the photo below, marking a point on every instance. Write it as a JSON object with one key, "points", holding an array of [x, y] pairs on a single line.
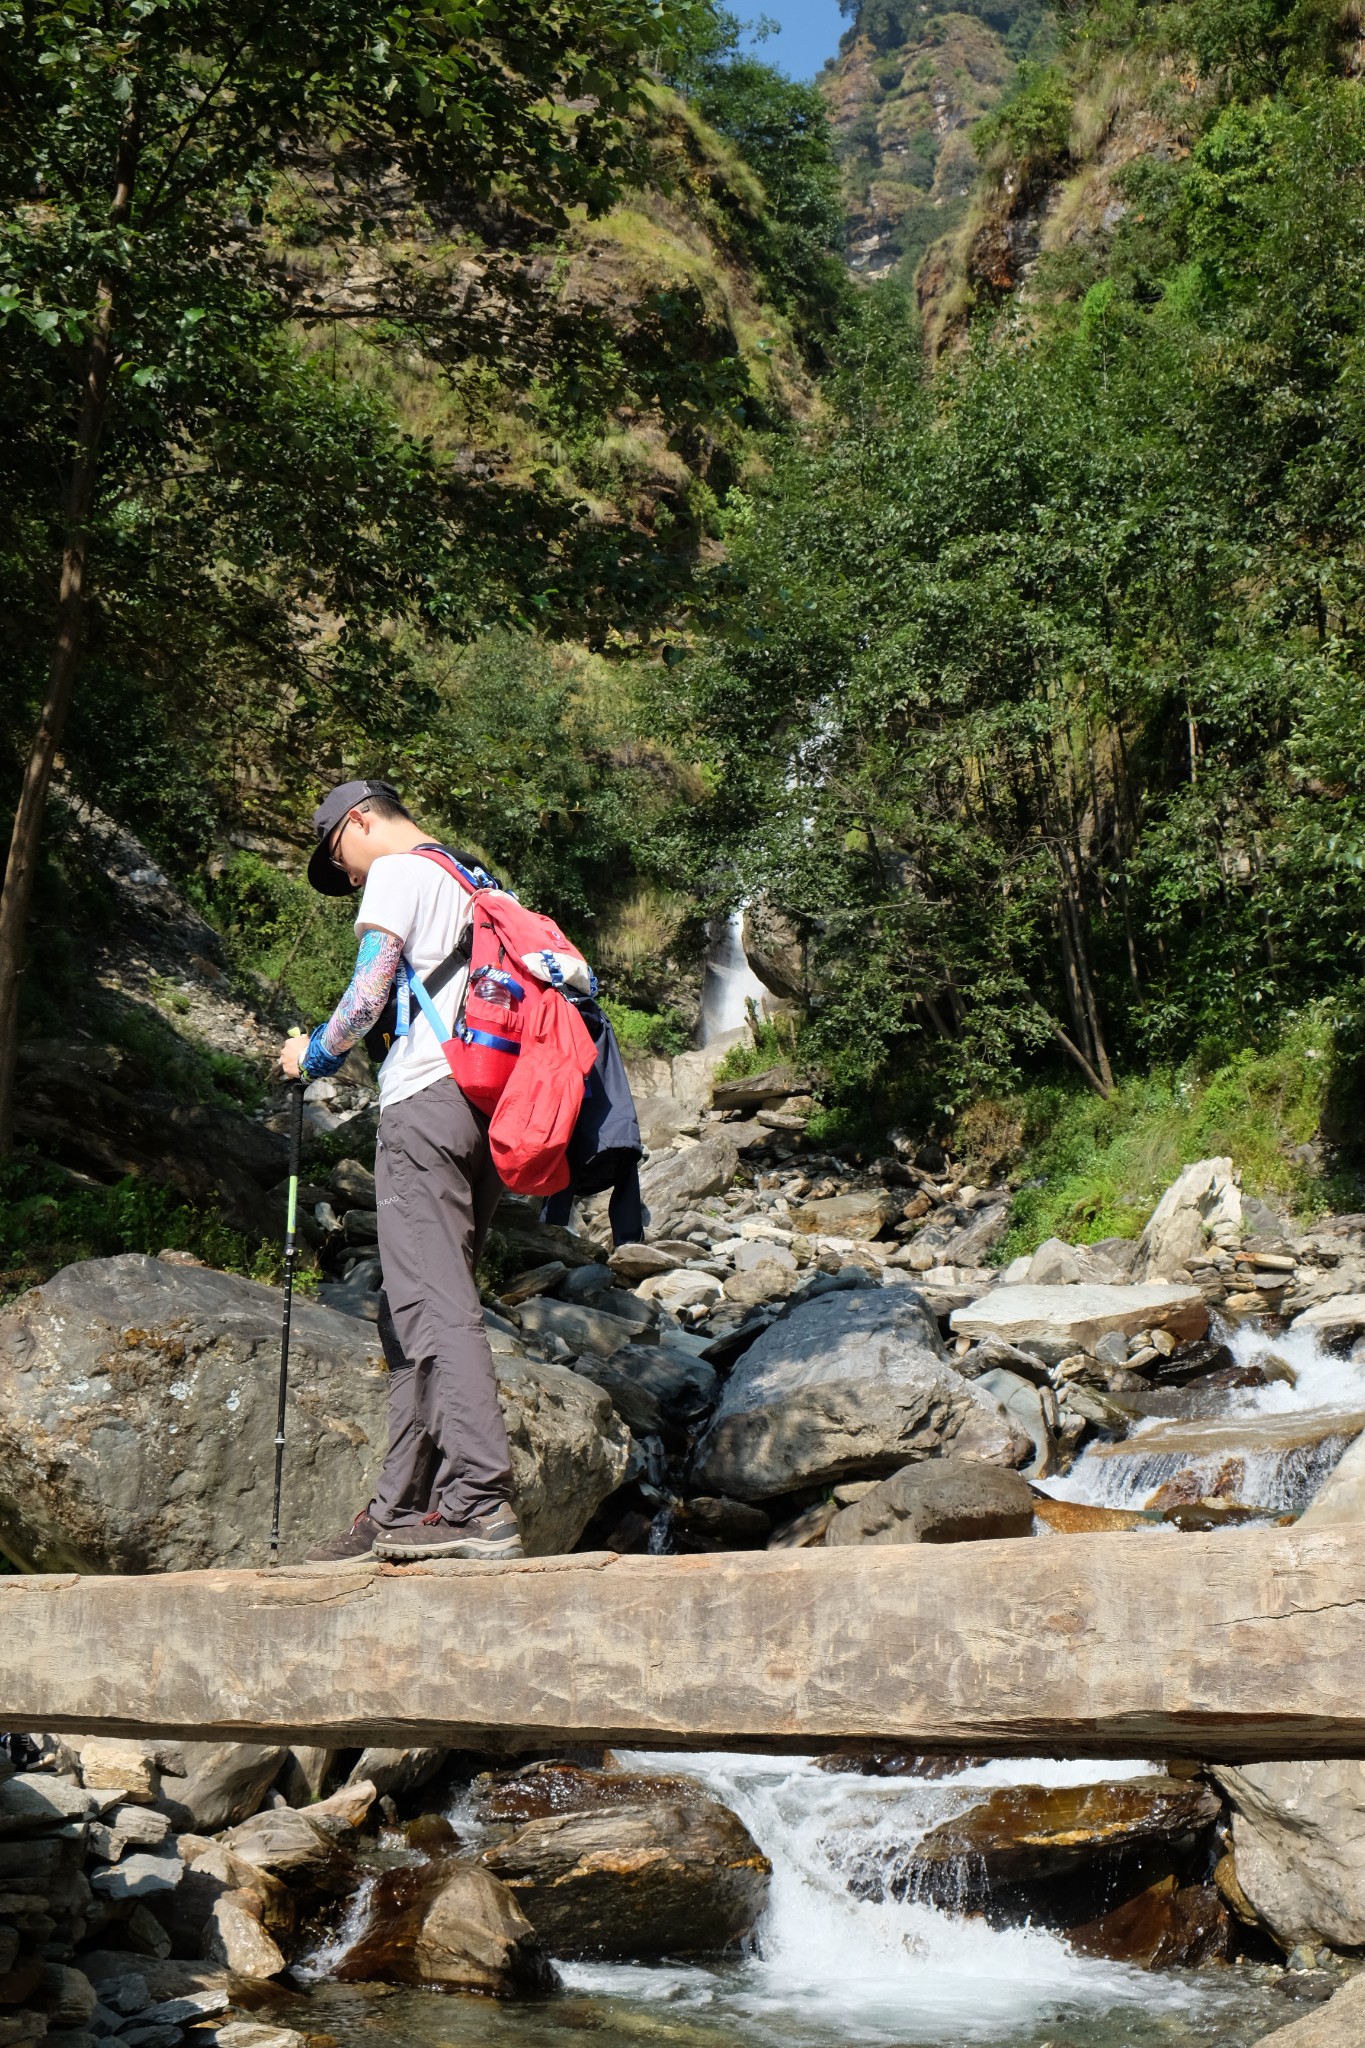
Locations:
{"points": [[419, 903]]}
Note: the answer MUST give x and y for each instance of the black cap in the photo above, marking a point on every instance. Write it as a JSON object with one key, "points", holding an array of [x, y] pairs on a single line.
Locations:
{"points": [[324, 874]]}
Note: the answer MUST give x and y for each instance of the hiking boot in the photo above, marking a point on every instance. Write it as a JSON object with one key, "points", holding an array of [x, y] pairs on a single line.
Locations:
{"points": [[483, 1536], [352, 1545]]}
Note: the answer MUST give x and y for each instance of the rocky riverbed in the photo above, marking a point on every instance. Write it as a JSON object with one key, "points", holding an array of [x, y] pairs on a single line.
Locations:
{"points": [[807, 1349]]}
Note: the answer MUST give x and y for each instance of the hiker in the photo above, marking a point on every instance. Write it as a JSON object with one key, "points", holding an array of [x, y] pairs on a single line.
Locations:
{"points": [[446, 1485]]}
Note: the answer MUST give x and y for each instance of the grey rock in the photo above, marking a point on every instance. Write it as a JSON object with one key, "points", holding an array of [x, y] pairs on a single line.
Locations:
{"points": [[226, 1782], [68, 1996], [1026, 1406], [1202, 1207], [851, 1384], [632, 1263], [586, 1283], [352, 1184], [151, 2037], [36, 1804], [583, 1329], [390, 1770], [757, 1091], [137, 1421], [1055, 1321], [1298, 1837], [1340, 2023], [139, 1876], [674, 1180], [198, 2005], [947, 1500], [655, 1389], [127, 1995], [1341, 1497], [969, 1246]]}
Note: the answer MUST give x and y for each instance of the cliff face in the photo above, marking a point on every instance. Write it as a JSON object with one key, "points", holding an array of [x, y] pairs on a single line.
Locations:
{"points": [[904, 92]]}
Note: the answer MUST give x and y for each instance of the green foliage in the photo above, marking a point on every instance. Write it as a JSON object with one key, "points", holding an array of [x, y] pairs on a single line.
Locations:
{"points": [[1034, 698], [662, 1032], [771, 1041], [48, 1220], [277, 928], [1033, 122], [1094, 1169]]}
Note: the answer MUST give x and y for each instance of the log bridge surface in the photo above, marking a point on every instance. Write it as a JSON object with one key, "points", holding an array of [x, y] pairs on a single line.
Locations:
{"points": [[1235, 1645]]}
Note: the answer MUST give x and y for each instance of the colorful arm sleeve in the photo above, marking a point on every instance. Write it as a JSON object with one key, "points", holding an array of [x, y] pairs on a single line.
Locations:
{"points": [[361, 1007]]}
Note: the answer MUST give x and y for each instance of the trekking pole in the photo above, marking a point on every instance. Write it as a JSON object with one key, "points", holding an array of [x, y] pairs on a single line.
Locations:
{"points": [[290, 1246]]}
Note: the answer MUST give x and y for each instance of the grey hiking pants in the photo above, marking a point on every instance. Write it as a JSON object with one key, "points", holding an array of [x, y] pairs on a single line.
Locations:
{"points": [[436, 1191]]}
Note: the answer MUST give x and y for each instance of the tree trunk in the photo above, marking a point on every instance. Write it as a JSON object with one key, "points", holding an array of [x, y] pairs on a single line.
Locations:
{"points": [[1069, 1045], [22, 866]]}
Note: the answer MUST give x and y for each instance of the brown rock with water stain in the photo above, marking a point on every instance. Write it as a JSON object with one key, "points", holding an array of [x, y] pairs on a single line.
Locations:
{"points": [[1023, 1835], [1169, 1926], [670, 1872], [451, 1925]]}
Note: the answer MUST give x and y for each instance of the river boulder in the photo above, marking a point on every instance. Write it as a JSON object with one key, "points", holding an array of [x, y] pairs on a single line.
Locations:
{"points": [[1025, 1836], [137, 1419], [946, 1500], [1053, 1322], [847, 1385], [450, 1925], [1298, 1839], [615, 1866], [1202, 1206]]}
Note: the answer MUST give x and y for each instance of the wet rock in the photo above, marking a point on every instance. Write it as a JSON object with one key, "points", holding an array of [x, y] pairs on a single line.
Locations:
{"points": [[1169, 1926], [672, 1873], [1274, 1463], [451, 1925], [863, 1215], [1189, 1363], [1336, 1322], [1340, 2023], [671, 1181], [1298, 1835], [947, 1500], [850, 1384], [1203, 1206], [1024, 1834], [235, 1937], [225, 1782], [289, 1844], [898, 1763], [1054, 1322]]}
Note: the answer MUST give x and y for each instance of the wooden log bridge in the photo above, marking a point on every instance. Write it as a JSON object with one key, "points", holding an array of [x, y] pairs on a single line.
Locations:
{"points": [[1235, 1645]]}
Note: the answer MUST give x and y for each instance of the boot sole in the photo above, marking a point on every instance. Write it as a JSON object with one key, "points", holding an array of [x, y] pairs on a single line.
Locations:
{"points": [[482, 1548]]}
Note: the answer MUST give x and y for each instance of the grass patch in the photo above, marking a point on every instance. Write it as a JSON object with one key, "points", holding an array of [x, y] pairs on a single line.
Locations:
{"points": [[772, 1041], [1094, 1169], [48, 1220], [662, 1032]]}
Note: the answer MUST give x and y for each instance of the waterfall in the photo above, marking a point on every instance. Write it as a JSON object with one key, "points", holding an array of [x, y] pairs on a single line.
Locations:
{"points": [[729, 983], [830, 1965]]}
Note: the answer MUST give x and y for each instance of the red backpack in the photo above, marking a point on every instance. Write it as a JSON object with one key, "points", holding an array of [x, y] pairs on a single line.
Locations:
{"points": [[521, 1054]]}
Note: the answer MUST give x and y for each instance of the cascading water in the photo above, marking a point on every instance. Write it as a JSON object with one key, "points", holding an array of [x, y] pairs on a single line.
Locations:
{"points": [[729, 983], [1269, 1447]]}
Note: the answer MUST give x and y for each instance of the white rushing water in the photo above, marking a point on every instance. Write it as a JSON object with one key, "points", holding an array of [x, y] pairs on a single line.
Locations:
{"points": [[1269, 1447], [729, 983], [828, 1963]]}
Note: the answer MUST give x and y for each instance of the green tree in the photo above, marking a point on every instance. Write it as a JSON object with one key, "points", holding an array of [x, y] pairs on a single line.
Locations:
{"points": [[140, 138]]}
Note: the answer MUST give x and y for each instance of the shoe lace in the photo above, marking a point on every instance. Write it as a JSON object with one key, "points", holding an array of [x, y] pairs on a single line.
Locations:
{"points": [[434, 1516]]}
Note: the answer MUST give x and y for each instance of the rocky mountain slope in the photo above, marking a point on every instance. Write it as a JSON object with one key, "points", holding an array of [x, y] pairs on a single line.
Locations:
{"points": [[904, 93]]}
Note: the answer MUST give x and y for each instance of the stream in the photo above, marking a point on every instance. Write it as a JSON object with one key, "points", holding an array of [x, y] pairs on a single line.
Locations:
{"points": [[828, 1968]]}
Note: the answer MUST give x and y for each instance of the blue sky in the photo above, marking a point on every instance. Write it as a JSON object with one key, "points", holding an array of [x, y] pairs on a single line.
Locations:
{"points": [[810, 32]]}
